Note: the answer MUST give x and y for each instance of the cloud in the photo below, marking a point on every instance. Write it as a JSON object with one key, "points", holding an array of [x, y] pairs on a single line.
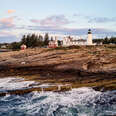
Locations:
{"points": [[71, 31], [7, 37], [4, 33], [78, 15], [6, 23], [95, 19], [52, 21], [101, 20], [11, 11]]}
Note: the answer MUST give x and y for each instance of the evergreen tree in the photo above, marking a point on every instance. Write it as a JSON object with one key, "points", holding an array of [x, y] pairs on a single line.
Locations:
{"points": [[24, 39], [15, 45], [106, 41], [33, 40], [46, 39], [59, 43], [40, 40], [51, 38]]}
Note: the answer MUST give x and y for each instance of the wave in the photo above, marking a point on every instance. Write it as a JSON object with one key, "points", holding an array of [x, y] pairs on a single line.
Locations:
{"points": [[13, 83], [77, 102]]}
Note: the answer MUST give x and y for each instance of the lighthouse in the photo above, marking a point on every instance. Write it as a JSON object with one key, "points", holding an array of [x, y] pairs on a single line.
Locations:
{"points": [[89, 39]]}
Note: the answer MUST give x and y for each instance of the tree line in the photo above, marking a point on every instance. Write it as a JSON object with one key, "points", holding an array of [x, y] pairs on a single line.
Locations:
{"points": [[106, 40], [31, 41]]}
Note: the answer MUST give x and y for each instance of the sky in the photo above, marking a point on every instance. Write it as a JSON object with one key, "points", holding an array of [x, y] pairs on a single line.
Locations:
{"points": [[69, 17]]}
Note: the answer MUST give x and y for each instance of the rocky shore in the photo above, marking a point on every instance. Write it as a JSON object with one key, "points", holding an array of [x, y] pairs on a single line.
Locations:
{"points": [[80, 66]]}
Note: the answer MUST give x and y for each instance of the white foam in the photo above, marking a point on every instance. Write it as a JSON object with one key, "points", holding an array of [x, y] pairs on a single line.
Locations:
{"points": [[45, 85], [46, 103], [49, 102], [53, 100], [12, 83]]}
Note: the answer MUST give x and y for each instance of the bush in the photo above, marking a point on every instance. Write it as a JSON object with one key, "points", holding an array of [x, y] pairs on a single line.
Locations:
{"points": [[15, 45]]}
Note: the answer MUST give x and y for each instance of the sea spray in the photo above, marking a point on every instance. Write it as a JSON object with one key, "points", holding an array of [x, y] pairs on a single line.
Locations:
{"points": [[12, 83], [80, 101], [77, 102]]}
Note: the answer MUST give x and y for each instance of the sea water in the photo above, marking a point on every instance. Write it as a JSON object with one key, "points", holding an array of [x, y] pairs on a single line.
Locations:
{"points": [[77, 102]]}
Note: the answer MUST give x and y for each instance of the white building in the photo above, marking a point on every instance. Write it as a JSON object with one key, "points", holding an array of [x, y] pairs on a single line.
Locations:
{"points": [[3, 46], [69, 41], [89, 39], [23, 47]]}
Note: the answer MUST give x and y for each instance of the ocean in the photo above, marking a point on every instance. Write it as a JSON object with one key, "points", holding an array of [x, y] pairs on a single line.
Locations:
{"points": [[83, 101]]}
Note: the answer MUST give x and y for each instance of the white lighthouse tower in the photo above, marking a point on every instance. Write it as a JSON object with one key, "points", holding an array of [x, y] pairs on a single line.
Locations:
{"points": [[89, 39]]}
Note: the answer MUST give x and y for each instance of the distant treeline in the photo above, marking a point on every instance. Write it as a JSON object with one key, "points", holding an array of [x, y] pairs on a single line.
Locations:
{"points": [[33, 40], [30, 40], [106, 40]]}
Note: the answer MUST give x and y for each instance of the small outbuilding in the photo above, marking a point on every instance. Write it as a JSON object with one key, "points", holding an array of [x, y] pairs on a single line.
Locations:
{"points": [[23, 47], [53, 43]]}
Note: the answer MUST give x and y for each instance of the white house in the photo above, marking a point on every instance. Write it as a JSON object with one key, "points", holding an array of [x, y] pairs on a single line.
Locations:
{"points": [[3, 46], [69, 41]]}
